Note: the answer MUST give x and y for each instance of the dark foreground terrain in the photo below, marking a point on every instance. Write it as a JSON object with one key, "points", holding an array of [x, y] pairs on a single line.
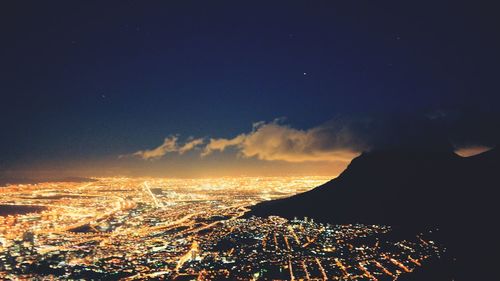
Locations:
{"points": [[414, 189]]}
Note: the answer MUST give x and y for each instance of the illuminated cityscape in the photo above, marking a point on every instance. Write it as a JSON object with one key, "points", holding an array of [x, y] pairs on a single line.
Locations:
{"points": [[142, 229], [249, 140]]}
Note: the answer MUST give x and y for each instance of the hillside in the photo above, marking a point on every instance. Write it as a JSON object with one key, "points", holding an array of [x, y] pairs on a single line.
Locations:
{"points": [[412, 190]]}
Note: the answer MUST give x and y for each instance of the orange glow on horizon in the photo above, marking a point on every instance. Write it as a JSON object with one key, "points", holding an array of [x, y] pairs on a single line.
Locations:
{"points": [[471, 150]]}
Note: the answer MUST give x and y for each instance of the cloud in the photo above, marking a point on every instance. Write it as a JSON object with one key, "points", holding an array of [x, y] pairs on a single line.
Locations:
{"points": [[342, 139], [190, 145], [222, 144], [275, 141], [471, 150], [169, 145]]}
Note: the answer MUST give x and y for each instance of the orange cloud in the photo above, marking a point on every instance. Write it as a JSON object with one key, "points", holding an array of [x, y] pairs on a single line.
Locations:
{"points": [[170, 144], [222, 144], [471, 150], [190, 145], [274, 141]]}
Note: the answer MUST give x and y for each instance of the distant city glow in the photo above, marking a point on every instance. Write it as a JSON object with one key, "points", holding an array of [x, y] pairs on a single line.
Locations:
{"points": [[143, 228]]}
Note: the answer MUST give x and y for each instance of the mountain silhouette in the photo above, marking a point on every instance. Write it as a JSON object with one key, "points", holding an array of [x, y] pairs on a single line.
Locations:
{"points": [[413, 189]]}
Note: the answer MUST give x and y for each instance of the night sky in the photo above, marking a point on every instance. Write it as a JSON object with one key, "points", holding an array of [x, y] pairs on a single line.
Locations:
{"points": [[92, 88]]}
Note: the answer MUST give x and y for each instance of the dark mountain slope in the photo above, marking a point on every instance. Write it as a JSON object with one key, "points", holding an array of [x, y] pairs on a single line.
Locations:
{"points": [[398, 187], [413, 189]]}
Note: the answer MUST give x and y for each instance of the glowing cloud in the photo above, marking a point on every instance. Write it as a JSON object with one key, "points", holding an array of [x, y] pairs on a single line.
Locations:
{"points": [[274, 141], [222, 144], [190, 145], [471, 150], [170, 144]]}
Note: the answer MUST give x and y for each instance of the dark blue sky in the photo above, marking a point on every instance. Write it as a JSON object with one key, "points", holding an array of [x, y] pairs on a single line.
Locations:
{"points": [[95, 79]]}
